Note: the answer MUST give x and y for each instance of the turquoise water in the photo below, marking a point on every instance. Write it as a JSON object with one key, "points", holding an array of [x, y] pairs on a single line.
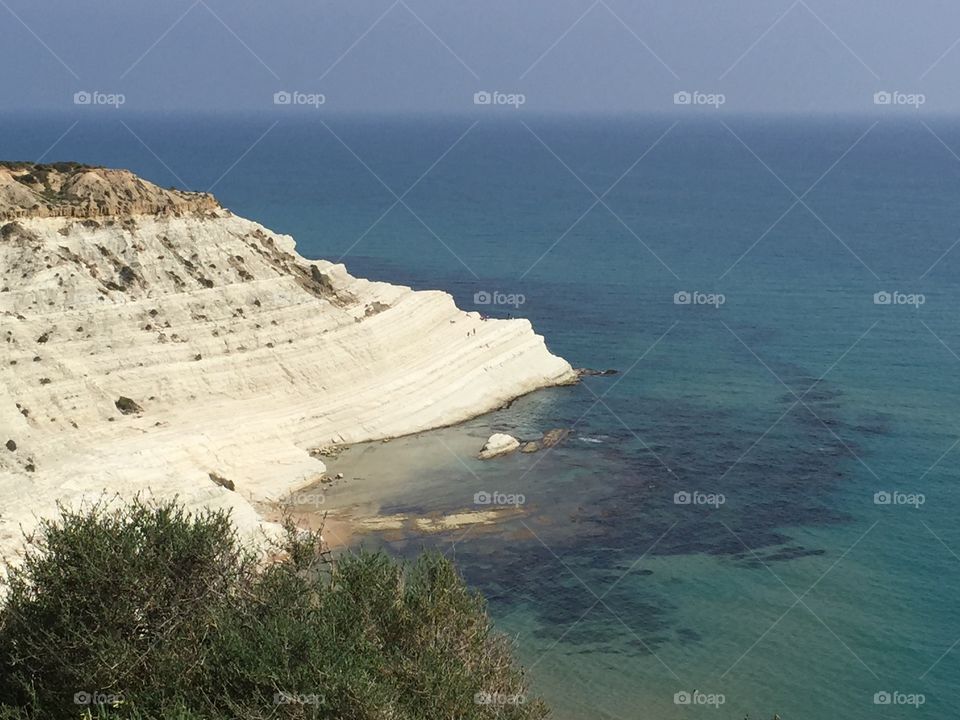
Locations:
{"points": [[798, 398]]}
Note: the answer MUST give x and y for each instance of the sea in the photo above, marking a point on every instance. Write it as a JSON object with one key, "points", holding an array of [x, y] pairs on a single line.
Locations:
{"points": [[757, 513]]}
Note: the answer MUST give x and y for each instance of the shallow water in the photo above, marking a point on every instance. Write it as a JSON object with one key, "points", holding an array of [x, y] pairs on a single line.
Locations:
{"points": [[798, 398]]}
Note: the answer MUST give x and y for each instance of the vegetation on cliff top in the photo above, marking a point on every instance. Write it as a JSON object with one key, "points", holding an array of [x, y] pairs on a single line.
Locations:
{"points": [[145, 611]]}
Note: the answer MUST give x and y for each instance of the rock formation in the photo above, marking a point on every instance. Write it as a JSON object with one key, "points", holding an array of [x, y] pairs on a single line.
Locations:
{"points": [[498, 444], [85, 192], [152, 340], [550, 439]]}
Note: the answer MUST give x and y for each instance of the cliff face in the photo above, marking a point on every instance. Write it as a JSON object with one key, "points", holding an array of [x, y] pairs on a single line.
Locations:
{"points": [[159, 342]]}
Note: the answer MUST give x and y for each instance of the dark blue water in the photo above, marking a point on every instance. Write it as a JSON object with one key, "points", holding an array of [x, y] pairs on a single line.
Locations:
{"points": [[798, 398]]}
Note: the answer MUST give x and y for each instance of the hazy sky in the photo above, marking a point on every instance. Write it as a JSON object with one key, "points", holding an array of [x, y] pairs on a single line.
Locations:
{"points": [[433, 55]]}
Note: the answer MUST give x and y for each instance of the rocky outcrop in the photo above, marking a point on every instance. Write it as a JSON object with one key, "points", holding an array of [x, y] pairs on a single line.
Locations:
{"points": [[498, 444], [86, 192], [128, 406], [589, 372], [238, 354], [330, 452], [223, 482], [550, 439]]}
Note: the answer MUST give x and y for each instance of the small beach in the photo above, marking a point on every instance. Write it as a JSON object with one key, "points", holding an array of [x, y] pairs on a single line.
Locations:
{"points": [[421, 487]]}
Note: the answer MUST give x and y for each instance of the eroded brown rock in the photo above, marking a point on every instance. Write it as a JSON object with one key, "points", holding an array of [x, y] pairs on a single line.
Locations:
{"points": [[85, 192]]}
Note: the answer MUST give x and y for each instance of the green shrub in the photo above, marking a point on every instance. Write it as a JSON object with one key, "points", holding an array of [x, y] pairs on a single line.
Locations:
{"points": [[144, 611]]}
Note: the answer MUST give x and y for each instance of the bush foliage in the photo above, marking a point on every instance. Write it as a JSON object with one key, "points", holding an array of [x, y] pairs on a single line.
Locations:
{"points": [[144, 611]]}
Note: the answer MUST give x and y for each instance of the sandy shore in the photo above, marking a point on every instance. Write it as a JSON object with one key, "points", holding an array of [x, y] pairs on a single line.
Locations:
{"points": [[372, 497]]}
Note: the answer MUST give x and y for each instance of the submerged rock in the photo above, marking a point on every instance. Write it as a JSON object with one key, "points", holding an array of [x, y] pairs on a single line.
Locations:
{"points": [[550, 439], [589, 372], [499, 444], [554, 437]]}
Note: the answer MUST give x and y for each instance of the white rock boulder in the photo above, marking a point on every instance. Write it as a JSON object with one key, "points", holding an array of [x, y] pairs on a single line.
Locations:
{"points": [[499, 444]]}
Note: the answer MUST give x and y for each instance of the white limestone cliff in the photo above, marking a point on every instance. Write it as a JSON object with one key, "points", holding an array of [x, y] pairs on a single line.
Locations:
{"points": [[238, 354]]}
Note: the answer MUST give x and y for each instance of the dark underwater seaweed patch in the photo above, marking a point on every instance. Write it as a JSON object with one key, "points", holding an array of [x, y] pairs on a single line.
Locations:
{"points": [[621, 506]]}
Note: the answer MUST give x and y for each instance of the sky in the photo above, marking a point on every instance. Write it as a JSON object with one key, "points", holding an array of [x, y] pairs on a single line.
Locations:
{"points": [[452, 56]]}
